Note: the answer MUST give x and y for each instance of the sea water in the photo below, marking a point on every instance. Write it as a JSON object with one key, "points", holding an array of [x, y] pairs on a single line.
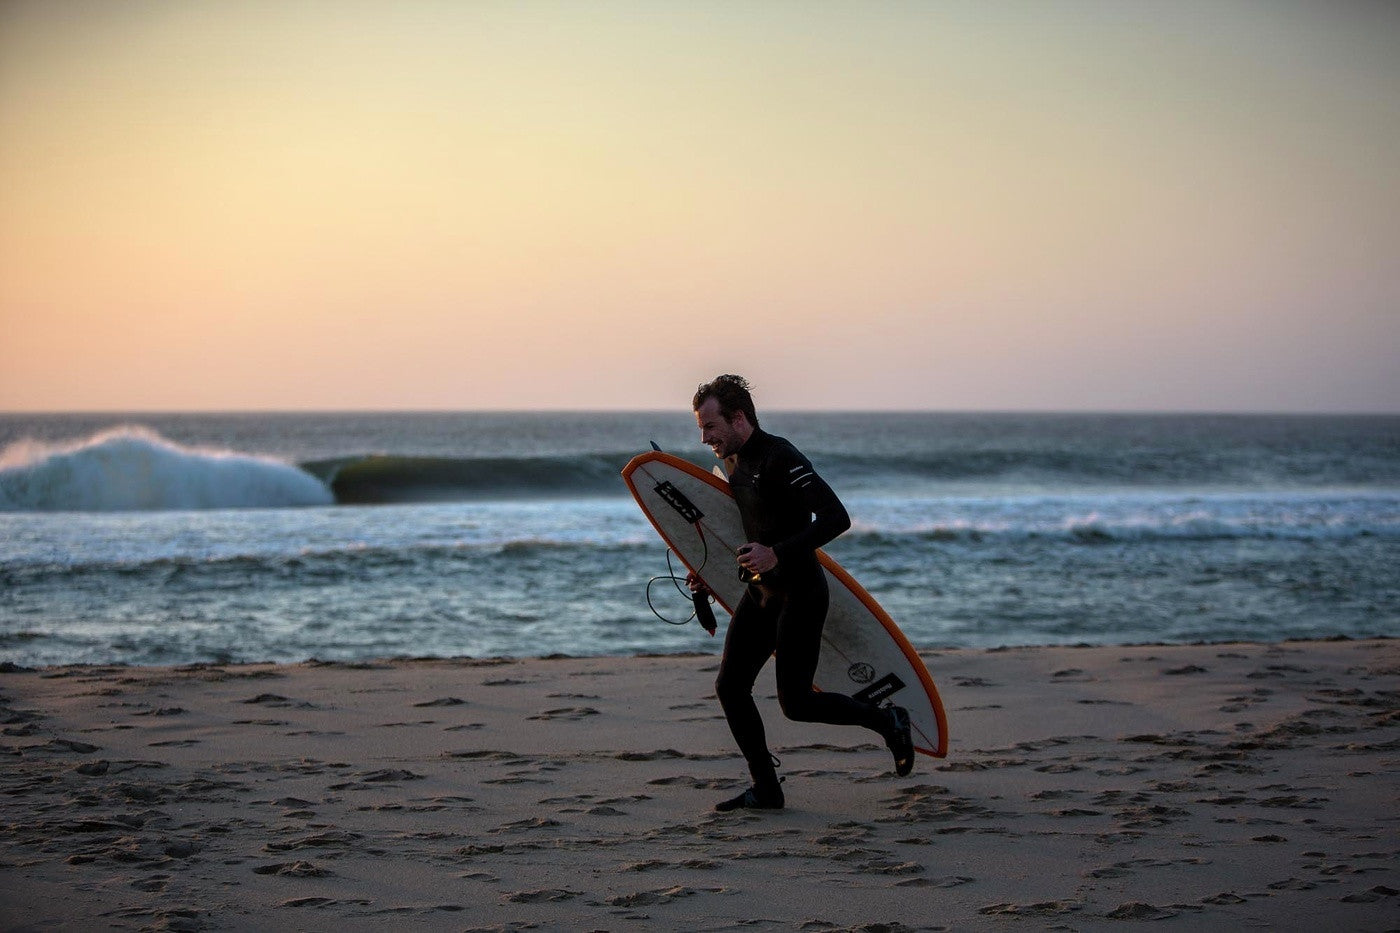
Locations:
{"points": [[169, 539]]}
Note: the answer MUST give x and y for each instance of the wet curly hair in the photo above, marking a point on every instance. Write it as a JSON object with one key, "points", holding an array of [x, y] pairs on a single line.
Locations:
{"points": [[732, 393]]}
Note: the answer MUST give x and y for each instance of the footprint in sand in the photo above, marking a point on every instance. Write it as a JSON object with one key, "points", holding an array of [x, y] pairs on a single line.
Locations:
{"points": [[660, 754], [527, 824], [275, 700], [1123, 869], [486, 754], [401, 725], [543, 895], [383, 776], [297, 869], [65, 745], [697, 783], [952, 881], [570, 713], [1072, 675], [1136, 910], [984, 765], [655, 897], [1039, 909], [331, 839], [482, 876], [695, 864], [153, 884], [322, 902], [1225, 897], [1374, 894]]}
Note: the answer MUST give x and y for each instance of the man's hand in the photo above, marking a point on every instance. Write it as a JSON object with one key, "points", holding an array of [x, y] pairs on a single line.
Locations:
{"points": [[697, 585], [701, 594], [757, 558]]}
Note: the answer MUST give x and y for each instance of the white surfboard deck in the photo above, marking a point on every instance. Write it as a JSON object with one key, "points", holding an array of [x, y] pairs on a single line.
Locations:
{"points": [[863, 652]]}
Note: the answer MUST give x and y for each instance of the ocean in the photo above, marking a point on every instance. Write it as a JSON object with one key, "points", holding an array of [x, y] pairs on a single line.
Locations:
{"points": [[189, 538]]}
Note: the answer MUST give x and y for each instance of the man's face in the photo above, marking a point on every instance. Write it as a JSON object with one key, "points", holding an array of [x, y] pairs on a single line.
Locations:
{"points": [[723, 437]]}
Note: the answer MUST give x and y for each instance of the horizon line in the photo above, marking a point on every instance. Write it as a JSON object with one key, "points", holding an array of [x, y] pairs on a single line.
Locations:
{"points": [[778, 410]]}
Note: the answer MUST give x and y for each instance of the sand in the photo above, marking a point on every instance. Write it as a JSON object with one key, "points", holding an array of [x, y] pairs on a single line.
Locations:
{"points": [[1207, 786]]}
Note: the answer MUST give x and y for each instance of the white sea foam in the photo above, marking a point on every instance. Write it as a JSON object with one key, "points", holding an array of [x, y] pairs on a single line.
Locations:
{"points": [[1301, 516], [132, 467]]}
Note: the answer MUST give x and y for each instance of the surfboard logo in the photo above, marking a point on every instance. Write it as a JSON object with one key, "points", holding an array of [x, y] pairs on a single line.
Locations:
{"points": [[880, 690], [860, 672], [678, 501]]}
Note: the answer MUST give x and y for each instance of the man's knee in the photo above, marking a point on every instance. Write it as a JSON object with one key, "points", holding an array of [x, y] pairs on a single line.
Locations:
{"points": [[730, 689]]}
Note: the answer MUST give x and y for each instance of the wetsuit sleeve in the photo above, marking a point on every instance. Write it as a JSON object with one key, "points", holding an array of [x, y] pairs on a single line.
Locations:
{"points": [[808, 489]]}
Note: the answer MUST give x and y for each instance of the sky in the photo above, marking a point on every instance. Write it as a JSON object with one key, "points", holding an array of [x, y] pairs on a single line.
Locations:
{"points": [[1040, 205]]}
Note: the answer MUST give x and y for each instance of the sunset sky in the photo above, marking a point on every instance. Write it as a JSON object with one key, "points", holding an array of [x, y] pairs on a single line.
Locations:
{"points": [[1030, 205]]}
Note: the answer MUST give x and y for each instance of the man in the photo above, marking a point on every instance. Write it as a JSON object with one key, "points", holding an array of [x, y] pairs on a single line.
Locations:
{"points": [[788, 513]]}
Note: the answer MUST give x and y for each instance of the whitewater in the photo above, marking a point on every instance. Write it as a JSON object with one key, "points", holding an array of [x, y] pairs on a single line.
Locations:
{"points": [[133, 467], [189, 538]]}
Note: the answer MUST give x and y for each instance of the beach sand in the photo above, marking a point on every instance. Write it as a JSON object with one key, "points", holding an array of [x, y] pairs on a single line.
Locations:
{"points": [[1206, 786]]}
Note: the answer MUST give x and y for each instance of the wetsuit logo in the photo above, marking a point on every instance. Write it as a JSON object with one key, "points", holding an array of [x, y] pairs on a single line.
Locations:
{"points": [[860, 672]]}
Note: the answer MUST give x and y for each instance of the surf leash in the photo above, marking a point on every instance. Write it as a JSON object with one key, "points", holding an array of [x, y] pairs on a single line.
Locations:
{"points": [[701, 601]]}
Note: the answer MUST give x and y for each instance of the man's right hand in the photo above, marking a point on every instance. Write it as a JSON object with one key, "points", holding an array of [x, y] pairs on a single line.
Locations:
{"points": [[696, 584]]}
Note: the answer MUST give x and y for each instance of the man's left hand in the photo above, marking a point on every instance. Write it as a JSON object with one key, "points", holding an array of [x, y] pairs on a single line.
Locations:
{"points": [[757, 558]]}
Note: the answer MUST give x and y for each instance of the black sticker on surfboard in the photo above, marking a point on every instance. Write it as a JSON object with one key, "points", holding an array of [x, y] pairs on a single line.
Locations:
{"points": [[678, 501], [886, 686]]}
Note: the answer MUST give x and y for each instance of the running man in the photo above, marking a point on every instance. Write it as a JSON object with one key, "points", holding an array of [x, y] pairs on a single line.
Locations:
{"points": [[788, 513]]}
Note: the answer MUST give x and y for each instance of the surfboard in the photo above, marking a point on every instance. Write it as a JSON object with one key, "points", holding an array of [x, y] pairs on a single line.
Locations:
{"points": [[863, 652]]}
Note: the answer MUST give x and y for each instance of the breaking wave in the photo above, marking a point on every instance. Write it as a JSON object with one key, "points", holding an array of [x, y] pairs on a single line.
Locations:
{"points": [[134, 468]]}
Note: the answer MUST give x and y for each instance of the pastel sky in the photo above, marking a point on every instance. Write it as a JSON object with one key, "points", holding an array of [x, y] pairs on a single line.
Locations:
{"points": [[1035, 205]]}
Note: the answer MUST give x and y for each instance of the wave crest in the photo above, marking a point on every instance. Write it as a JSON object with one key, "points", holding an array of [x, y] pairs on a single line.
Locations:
{"points": [[391, 478], [134, 468]]}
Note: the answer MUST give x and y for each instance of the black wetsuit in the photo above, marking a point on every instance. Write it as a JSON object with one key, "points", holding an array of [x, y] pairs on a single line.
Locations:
{"points": [[786, 506]]}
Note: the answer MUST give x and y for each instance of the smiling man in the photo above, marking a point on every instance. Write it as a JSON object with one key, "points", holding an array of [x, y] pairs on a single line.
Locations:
{"points": [[788, 513]]}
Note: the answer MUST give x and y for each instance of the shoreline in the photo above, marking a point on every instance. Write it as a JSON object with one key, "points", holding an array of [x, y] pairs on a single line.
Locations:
{"points": [[925, 651], [1209, 784]]}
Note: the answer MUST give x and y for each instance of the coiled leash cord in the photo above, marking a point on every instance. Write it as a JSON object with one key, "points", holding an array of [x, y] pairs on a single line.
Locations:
{"points": [[676, 580]]}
